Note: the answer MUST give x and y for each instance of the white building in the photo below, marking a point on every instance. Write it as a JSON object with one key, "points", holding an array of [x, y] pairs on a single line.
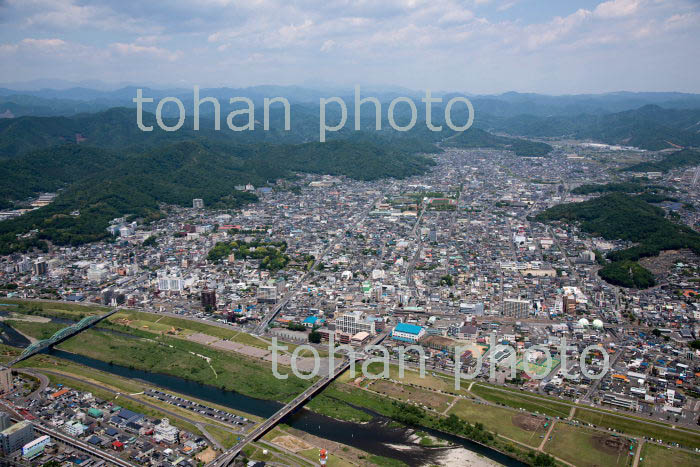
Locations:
{"points": [[74, 428], [354, 322], [516, 308], [166, 432]]}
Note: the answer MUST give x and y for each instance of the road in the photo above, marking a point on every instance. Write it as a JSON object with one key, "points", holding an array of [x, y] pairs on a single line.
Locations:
{"points": [[43, 382], [227, 458], [596, 383], [260, 329], [104, 455], [170, 413]]}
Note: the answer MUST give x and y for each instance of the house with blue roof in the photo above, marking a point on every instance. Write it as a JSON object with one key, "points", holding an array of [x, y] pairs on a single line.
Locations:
{"points": [[312, 321], [407, 332]]}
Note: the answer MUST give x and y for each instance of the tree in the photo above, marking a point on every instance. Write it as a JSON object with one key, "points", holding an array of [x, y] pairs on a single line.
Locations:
{"points": [[315, 337]]}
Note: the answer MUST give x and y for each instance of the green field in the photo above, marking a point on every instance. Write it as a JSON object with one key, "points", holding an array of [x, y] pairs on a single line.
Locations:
{"points": [[634, 427], [225, 370], [522, 401], [585, 447], [501, 421], [153, 322], [653, 455], [34, 329]]}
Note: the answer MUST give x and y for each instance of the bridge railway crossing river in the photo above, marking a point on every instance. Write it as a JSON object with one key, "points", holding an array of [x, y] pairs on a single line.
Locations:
{"points": [[227, 457], [60, 336]]}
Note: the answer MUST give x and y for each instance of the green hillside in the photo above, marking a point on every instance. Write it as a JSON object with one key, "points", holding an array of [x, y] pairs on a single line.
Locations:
{"points": [[176, 173], [618, 216], [477, 138], [676, 160]]}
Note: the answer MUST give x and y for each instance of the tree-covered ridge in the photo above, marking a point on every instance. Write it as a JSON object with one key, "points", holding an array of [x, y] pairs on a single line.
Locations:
{"points": [[271, 254], [51, 169], [476, 138], [618, 216], [675, 160], [177, 173], [648, 127], [621, 187]]}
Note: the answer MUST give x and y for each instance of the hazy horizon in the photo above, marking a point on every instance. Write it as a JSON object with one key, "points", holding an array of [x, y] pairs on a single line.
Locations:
{"points": [[473, 47]]}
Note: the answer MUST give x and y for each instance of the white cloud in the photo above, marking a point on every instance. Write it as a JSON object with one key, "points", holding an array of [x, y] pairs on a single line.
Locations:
{"points": [[144, 50], [44, 44], [387, 40], [616, 8]]}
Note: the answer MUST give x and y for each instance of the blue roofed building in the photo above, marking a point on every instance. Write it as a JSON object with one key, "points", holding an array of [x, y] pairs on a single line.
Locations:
{"points": [[407, 332], [312, 321]]}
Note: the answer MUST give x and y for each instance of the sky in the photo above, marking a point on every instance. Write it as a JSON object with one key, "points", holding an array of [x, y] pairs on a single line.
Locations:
{"points": [[470, 46]]}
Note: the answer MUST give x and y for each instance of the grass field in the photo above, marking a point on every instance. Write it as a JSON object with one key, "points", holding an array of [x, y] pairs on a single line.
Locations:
{"points": [[431, 399], [501, 421], [226, 438], [653, 455], [34, 329], [186, 359], [587, 448], [519, 400], [332, 461], [435, 382], [634, 427]]}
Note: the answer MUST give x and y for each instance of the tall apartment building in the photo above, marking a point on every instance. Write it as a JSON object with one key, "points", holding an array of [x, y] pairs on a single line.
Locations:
{"points": [[5, 380], [170, 283], [209, 299], [197, 203], [16, 436], [40, 267], [516, 308], [5, 421], [354, 322], [267, 294], [568, 304]]}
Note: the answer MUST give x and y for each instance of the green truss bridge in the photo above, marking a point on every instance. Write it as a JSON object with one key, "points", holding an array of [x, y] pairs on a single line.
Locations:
{"points": [[60, 336]]}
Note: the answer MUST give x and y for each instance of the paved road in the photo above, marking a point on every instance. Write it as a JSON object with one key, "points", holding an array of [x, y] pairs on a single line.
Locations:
{"points": [[638, 453], [260, 329], [43, 382], [104, 455], [170, 413], [228, 457]]}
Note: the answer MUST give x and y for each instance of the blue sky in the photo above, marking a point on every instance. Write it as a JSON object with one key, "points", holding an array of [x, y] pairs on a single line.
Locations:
{"points": [[472, 46]]}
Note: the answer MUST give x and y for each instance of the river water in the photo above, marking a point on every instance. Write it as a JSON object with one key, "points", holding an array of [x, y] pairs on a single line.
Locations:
{"points": [[376, 437]]}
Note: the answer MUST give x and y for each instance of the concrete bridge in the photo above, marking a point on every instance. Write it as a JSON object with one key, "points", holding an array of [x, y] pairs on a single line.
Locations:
{"points": [[227, 457]]}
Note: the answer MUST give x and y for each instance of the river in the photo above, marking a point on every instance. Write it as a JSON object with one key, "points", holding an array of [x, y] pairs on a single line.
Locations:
{"points": [[379, 436], [376, 437]]}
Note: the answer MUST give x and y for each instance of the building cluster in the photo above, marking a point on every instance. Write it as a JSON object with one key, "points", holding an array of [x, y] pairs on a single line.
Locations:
{"points": [[442, 260]]}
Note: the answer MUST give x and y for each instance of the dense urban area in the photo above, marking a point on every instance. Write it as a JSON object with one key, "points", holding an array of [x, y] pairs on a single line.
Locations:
{"points": [[593, 246]]}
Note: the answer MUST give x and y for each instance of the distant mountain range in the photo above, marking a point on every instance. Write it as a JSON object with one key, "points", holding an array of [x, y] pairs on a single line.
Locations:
{"points": [[74, 141]]}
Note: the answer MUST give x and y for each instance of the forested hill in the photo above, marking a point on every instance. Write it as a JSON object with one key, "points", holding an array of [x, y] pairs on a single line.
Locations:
{"points": [[618, 216], [676, 160], [477, 138], [177, 173], [650, 127]]}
